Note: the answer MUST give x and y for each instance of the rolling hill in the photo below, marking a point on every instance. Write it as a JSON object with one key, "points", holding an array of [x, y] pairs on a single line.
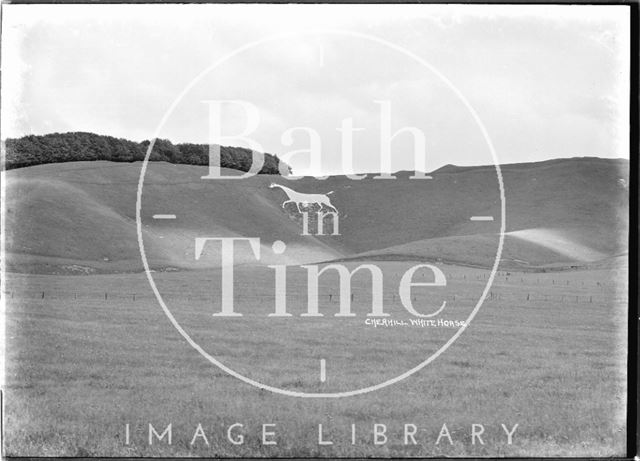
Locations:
{"points": [[79, 217]]}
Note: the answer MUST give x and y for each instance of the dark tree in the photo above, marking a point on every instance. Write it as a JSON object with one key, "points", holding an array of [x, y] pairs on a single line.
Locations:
{"points": [[78, 146]]}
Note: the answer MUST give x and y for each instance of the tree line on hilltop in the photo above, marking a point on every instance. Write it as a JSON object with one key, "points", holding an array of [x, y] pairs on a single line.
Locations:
{"points": [[79, 146]]}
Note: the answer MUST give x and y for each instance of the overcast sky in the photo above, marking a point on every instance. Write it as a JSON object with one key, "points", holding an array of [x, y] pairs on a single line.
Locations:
{"points": [[546, 81]]}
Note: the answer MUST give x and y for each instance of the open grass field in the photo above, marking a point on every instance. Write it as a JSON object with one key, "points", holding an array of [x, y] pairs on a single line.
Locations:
{"points": [[90, 355], [547, 351]]}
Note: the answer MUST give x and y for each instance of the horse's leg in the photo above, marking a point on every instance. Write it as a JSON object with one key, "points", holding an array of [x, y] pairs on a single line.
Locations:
{"points": [[328, 204]]}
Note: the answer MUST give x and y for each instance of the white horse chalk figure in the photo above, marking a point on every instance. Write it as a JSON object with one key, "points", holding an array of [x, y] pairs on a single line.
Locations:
{"points": [[304, 199]]}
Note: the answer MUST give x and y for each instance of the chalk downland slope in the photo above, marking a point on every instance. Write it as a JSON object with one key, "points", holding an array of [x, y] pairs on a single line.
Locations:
{"points": [[80, 217], [559, 213], [83, 214]]}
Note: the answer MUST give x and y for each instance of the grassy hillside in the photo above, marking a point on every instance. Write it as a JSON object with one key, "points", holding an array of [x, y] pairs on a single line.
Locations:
{"points": [[61, 216]]}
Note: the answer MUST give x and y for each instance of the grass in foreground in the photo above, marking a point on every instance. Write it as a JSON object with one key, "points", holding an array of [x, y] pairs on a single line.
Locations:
{"points": [[80, 367]]}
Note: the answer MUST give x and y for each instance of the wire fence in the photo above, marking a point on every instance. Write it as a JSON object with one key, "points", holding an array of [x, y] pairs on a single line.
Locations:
{"points": [[324, 298]]}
